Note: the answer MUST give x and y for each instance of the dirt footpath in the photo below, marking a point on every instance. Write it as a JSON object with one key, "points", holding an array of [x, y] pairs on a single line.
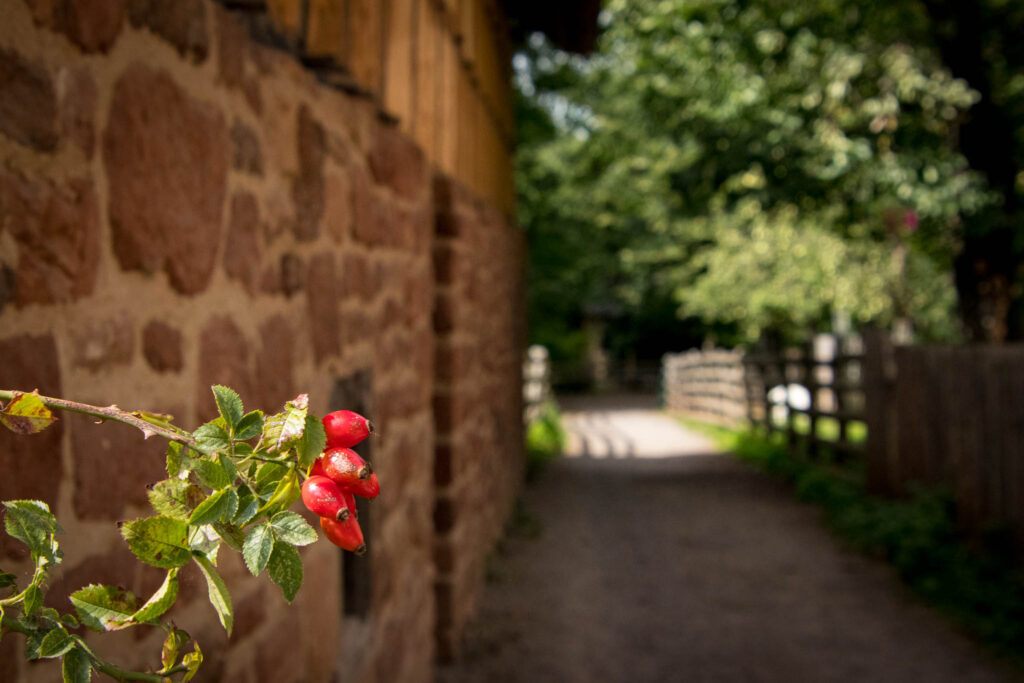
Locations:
{"points": [[645, 557]]}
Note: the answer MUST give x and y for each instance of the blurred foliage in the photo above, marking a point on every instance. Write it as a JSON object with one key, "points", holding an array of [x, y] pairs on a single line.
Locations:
{"points": [[545, 439], [752, 165], [979, 584]]}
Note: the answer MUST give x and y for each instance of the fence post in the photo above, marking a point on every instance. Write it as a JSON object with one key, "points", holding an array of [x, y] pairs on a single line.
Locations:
{"points": [[881, 454]]}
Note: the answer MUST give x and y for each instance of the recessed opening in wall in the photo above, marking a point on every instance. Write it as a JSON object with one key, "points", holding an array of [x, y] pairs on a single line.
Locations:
{"points": [[354, 392]]}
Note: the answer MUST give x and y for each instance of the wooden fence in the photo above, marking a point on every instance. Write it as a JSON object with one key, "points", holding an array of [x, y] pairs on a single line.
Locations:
{"points": [[949, 417], [706, 384], [822, 382]]}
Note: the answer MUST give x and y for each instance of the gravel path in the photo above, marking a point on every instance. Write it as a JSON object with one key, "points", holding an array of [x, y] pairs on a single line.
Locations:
{"points": [[646, 557]]}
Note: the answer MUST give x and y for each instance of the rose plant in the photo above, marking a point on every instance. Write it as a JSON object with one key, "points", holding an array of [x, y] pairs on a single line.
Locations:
{"points": [[229, 483]]}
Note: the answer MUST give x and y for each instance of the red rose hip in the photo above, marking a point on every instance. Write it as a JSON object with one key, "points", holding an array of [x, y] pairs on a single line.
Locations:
{"points": [[345, 534], [350, 472], [345, 429], [324, 498]]}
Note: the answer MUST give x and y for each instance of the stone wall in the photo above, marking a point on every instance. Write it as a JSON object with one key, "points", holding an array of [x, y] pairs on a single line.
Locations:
{"points": [[182, 206], [478, 414]]}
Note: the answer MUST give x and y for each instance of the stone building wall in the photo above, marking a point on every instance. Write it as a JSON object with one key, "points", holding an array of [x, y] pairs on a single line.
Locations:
{"points": [[181, 206], [478, 413]]}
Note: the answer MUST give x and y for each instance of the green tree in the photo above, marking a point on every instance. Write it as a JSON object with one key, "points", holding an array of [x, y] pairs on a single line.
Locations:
{"points": [[758, 162]]}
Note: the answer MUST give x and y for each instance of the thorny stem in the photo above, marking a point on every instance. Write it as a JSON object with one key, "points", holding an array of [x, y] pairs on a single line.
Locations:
{"points": [[111, 412]]}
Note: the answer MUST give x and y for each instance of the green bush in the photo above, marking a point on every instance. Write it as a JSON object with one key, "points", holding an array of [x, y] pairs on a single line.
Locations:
{"points": [[979, 583], [545, 439]]}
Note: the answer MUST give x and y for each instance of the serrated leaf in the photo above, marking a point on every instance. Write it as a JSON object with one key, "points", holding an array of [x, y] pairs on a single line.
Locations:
{"points": [[313, 441], [231, 535], [175, 498], [204, 541], [283, 430], [219, 596], [55, 644], [104, 608], [178, 459], [26, 414], [285, 493], [212, 437], [285, 569], [256, 549], [161, 600], [7, 579], [228, 404], [32, 523], [172, 646], [158, 541], [248, 506], [292, 528], [249, 426], [33, 641], [69, 621], [192, 661], [228, 466], [33, 599], [219, 506], [212, 473], [76, 667], [268, 476]]}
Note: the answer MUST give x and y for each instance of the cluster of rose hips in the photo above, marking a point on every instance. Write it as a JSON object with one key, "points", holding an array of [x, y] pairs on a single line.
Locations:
{"points": [[337, 476]]}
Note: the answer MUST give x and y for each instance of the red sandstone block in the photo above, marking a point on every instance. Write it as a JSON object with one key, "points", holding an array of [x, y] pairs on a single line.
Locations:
{"points": [[398, 163], [93, 25], [243, 251], [161, 346], [113, 465], [166, 157], [223, 359], [28, 102], [323, 298], [182, 23], [57, 228], [274, 381], [308, 187]]}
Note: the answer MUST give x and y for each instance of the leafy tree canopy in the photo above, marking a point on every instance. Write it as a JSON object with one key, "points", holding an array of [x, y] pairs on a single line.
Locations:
{"points": [[756, 163]]}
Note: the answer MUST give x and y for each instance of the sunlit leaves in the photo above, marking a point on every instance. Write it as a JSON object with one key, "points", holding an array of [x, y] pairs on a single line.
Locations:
{"points": [[218, 592], [158, 541]]}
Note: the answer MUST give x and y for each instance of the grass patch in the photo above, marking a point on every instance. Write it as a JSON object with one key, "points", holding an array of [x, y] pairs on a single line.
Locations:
{"points": [[979, 584]]}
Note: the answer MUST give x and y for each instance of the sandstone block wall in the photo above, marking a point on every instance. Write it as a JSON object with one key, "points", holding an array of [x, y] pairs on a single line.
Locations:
{"points": [[181, 205], [478, 413]]}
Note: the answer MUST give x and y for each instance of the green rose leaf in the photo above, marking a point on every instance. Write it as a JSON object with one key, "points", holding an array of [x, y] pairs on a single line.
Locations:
{"points": [[221, 505], [172, 646], [76, 667], [26, 414], [256, 549], [161, 600], [249, 426], [56, 643], [7, 579], [285, 568], [212, 473], [104, 608], [158, 541], [212, 437], [32, 523], [248, 506], [313, 441], [192, 662], [292, 528], [228, 404], [230, 534], [178, 459], [283, 430], [33, 599], [175, 498], [219, 596]]}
